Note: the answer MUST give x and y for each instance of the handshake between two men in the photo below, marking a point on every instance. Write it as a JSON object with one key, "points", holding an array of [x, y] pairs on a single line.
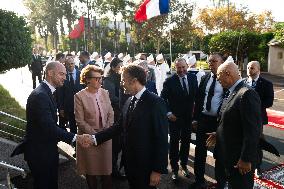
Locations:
{"points": [[85, 140]]}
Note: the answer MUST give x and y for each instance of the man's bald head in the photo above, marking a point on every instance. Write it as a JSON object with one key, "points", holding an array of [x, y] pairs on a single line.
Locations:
{"points": [[55, 73], [253, 69], [228, 74]]}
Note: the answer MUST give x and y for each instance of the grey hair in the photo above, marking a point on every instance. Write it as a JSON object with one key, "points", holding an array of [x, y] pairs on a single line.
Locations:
{"points": [[255, 62], [180, 60], [143, 64]]}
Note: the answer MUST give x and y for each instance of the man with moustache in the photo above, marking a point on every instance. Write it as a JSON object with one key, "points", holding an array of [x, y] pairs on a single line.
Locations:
{"points": [[208, 101]]}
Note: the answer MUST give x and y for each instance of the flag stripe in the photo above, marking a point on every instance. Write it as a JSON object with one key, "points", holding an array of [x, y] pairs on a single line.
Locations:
{"points": [[140, 14], [164, 6], [153, 9]]}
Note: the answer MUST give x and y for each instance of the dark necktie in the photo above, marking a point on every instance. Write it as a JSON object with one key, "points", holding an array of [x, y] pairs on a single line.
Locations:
{"points": [[226, 94], [54, 98], [71, 80], [130, 109], [184, 85], [210, 94], [253, 84]]}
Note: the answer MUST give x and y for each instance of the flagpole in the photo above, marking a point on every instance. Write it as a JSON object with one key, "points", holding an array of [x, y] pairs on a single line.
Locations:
{"points": [[171, 47], [170, 33]]}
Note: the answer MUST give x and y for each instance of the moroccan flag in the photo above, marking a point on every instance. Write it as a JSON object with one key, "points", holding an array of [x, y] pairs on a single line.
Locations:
{"points": [[78, 30], [151, 8]]}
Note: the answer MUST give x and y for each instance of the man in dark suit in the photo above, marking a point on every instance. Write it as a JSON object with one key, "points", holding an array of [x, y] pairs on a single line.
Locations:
{"points": [[264, 88], [42, 134], [179, 93], [66, 94], [36, 68], [145, 132], [207, 103], [238, 132], [85, 60]]}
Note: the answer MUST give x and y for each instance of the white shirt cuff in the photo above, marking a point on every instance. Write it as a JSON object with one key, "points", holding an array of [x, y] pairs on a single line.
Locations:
{"points": [[169, 113], [74, 138], [95, 140]]}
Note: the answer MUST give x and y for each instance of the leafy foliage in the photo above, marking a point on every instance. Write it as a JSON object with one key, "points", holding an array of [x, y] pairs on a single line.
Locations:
{"points": [[15, 41], [240, 44], [216, 19]]}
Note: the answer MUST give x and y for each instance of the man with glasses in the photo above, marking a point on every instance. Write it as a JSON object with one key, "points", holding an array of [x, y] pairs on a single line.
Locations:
{"points": [[208, 100], [66, 93]]}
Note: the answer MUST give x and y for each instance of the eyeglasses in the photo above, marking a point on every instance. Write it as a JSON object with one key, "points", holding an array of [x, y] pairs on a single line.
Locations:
{"points": [[96, 78]]}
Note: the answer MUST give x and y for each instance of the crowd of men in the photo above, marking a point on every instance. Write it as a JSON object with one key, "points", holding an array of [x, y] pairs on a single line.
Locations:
{"points": [[223, 109]]}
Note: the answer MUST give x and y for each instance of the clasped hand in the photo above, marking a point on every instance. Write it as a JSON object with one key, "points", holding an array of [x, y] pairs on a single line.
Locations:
{"points": [[85, 140]]}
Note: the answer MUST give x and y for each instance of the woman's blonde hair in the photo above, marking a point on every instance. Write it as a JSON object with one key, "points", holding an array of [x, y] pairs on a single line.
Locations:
{"points": [[86, 73]]}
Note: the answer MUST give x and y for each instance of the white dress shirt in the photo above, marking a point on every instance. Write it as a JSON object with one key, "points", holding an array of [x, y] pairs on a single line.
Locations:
{"points": [[249, 81], [216, 99]]}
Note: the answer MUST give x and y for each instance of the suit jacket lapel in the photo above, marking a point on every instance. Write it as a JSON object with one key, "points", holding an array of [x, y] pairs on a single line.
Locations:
{"points": [[178, 83], [138, 106], [233, 94], [206, 79], [47, 89]]}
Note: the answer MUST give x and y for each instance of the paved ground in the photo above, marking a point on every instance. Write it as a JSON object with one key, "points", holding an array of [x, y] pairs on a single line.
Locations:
{"points": [[18, 83]]}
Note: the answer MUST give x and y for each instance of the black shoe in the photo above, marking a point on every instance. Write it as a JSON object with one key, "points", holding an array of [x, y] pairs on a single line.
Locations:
{"points": [[198, 185], [185, 172], [175, 176]]}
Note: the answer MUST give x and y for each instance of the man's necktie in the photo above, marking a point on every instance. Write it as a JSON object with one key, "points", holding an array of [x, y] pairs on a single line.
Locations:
{"points": [[130, 109], [226, 94], [210, 94], [71, 80], [184, 86], [253, 84]]}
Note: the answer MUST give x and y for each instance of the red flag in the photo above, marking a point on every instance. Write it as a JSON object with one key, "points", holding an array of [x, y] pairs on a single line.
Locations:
{"points": [[78, 30]]}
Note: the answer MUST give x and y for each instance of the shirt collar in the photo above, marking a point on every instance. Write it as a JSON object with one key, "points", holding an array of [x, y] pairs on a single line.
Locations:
{"points": [[185, 76], [50, 86], [231, 89], [139, 94]]}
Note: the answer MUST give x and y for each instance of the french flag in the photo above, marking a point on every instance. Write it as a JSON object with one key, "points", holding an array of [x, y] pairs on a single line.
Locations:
{"points": [[151, 8]]}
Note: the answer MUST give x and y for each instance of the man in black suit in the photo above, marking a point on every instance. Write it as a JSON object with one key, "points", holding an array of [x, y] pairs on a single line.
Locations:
{"points": [[36, 68], [179, 93], [264, 88], [85, 60], [145, 132], [238, 131], [42, 134], [66, 94], [207, 103]]}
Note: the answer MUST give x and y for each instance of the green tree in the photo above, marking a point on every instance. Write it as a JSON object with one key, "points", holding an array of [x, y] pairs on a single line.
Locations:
{"points": [[240, 45], [279, 32], [16, 42]]}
